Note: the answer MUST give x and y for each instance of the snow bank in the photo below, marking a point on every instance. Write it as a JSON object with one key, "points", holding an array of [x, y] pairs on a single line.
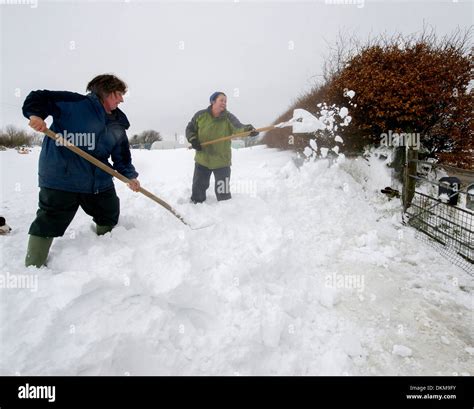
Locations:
{"points": [[305, 271]]}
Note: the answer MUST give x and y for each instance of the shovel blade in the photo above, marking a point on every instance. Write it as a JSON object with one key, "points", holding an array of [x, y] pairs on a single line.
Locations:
{"points": [[305, 122]]}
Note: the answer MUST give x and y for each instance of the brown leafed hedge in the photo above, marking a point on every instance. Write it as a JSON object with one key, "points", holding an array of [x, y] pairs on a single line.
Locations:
{"points": [[415, 85]]}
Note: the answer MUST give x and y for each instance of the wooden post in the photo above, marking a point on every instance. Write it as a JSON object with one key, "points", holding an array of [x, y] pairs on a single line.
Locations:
{"points": [[409, 183]]}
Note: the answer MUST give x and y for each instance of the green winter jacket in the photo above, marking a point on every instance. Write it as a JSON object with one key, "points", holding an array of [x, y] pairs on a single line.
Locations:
{"points": [[205, 127]]}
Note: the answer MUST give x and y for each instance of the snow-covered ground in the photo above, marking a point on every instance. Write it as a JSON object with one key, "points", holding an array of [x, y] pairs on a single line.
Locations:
{"points": [[305, 271]]}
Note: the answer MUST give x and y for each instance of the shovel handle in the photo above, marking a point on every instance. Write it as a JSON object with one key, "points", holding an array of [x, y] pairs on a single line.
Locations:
{"points": [[110, 171], [236, 135]]}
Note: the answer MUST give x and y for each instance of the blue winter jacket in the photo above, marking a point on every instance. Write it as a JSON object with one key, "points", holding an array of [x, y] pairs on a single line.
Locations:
{"points": [[83, 120]]}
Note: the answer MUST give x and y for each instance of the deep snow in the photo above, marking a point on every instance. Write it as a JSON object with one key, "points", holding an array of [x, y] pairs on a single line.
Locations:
{"points": [[306, 271]]}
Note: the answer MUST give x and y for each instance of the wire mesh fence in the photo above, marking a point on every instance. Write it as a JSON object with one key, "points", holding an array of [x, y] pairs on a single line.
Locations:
{"points": [[448, 228], [440, 221]]}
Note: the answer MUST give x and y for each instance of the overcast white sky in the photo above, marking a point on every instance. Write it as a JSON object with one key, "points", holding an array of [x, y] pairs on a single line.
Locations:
{"points": [[173, 55]]}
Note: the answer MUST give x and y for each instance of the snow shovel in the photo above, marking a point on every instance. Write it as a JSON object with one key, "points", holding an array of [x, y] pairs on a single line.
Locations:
{"points": [[302, 122], [110, 171]]}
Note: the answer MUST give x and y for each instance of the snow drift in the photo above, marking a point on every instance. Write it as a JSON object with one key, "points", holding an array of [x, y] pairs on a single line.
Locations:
{"points": [[306, 271]]}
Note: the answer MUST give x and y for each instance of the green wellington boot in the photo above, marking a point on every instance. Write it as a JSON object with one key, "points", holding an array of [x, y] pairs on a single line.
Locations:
{"points": [[38, 249], [101, 230]]}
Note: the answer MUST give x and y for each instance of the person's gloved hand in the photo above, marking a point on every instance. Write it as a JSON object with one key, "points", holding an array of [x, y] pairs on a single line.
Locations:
{"points": [[253, 131], [196, 144]]}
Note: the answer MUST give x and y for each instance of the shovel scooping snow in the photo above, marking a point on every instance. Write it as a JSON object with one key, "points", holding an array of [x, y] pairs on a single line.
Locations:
{"points": [[302, 122]]}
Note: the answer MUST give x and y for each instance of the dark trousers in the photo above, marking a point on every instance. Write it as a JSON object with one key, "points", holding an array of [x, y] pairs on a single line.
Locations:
{"points": [[201, 178], [57, 208]]}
